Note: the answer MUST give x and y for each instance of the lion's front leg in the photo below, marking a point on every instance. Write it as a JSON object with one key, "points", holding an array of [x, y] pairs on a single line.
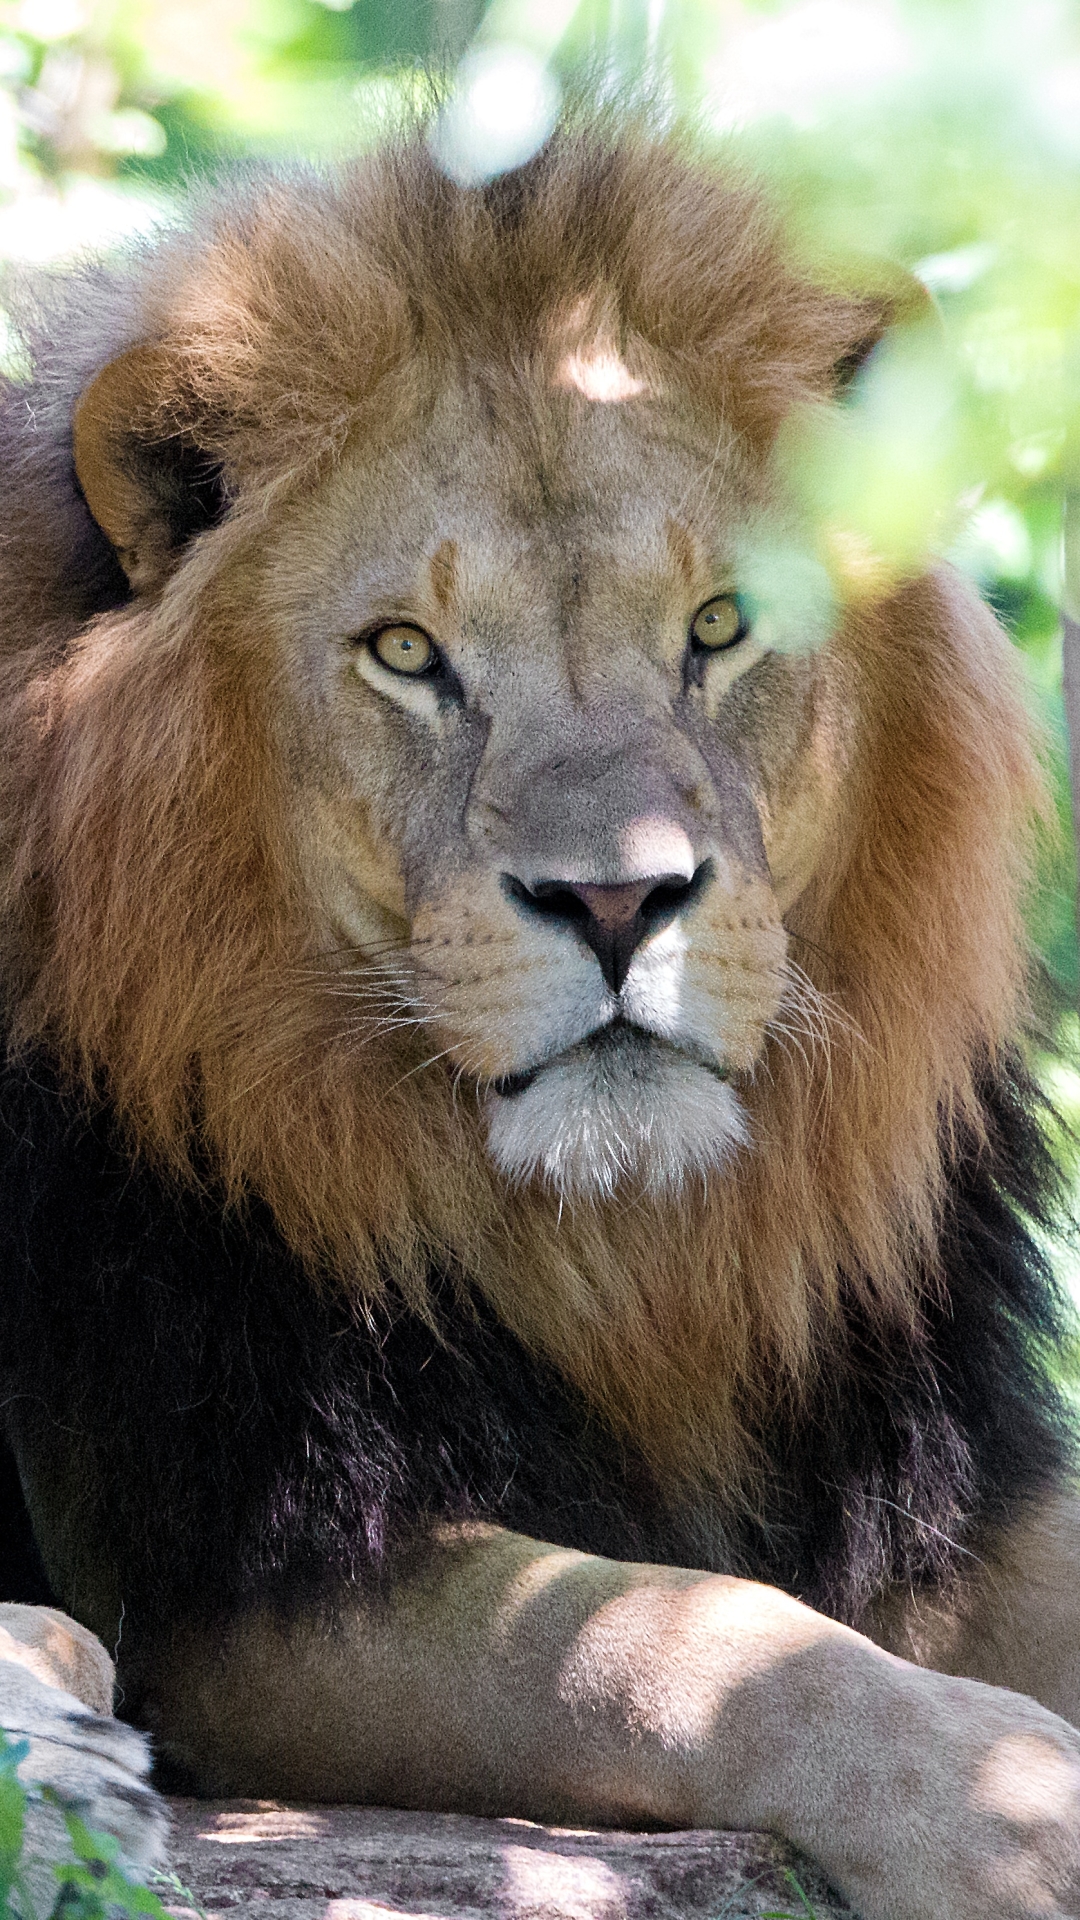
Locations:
{"points": [[504, 1676]]}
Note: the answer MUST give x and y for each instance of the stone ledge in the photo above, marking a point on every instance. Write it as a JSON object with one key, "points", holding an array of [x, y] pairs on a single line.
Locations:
{"points": [[364, 1863]]}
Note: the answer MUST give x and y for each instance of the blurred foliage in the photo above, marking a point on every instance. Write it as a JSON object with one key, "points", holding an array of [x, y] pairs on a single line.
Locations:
{"points": [[943, 135], [86, 1869]]}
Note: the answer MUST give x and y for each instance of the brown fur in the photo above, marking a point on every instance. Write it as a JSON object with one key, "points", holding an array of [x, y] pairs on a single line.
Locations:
{"points": [[165, 940]]}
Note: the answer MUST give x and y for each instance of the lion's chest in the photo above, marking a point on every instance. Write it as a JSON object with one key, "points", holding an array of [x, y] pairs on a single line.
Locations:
{"points": [[198, 1430]]}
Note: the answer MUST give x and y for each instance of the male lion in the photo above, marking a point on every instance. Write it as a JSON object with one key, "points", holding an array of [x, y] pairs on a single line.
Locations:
{"points": [[512, 1088]]}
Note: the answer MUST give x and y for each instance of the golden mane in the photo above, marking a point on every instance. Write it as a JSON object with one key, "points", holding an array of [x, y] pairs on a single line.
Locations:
{"points": [[161, 941]]}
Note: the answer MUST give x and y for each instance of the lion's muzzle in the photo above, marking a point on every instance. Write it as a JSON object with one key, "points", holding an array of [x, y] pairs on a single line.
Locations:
{"points": [[613, 920]]}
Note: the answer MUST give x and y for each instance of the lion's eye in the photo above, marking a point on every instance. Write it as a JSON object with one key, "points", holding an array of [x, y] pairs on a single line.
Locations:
{"points": [[403, 649], [719, 623]]}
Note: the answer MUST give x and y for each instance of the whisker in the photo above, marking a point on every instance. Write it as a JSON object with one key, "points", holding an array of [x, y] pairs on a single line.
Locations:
{"points": [[422, 1068]]}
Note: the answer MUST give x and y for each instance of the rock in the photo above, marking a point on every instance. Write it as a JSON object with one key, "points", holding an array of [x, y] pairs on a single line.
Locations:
{"points": [[363, 1863]]}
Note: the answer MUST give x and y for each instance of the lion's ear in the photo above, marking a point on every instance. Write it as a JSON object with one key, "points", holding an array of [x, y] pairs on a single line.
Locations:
{"points": [[150, 487], [900, 301]]}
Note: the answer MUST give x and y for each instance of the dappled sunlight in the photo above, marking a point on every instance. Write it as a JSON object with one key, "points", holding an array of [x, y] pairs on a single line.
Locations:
{"points": [[648, 846], [601, 375], [38, 1659], [549, 1566], [537, 1882], [1025, 1780], [264, 1820], [105, 654], [677, 1656]]}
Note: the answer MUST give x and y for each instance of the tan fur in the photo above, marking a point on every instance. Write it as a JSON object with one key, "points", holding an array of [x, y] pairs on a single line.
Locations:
{"points": [[184, 856]]}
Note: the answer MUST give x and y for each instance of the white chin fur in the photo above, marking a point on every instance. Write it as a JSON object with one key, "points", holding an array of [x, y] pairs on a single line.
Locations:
{"points": [[607, 1114]]}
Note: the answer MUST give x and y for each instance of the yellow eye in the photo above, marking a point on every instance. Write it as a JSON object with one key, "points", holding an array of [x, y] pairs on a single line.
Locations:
{"points": [[403, 649], [720, 623]]}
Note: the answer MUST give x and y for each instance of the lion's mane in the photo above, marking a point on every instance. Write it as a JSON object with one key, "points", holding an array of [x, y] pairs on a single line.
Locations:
{"points": [[159, 943]]}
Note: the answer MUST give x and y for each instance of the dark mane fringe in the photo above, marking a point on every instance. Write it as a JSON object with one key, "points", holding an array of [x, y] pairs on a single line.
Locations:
{"points": [[292, 1446], [917, 1449]]}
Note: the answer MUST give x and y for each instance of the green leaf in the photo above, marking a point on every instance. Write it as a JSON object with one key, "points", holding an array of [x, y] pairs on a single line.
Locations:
{"points": [[100, 1878]]}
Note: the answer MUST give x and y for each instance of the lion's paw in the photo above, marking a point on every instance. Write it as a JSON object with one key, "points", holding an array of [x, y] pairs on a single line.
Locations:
{"points": [[985, 1816]]}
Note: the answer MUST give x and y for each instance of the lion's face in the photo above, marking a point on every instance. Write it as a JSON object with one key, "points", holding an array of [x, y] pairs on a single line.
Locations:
{"points": [[558, 784]]}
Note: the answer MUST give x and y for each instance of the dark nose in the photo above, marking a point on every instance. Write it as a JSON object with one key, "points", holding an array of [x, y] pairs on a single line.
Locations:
{"points": [[613, 921]]}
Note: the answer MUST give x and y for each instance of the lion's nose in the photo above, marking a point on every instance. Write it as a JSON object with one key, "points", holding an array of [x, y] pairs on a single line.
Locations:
{"points": [[612, 920]]}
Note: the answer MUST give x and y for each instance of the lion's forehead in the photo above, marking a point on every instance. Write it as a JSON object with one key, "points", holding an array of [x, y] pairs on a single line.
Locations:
{"points": [[574, 503]]}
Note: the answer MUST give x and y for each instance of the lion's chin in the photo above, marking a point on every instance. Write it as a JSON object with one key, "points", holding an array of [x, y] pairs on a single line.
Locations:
{"points": [[621, 1109]]}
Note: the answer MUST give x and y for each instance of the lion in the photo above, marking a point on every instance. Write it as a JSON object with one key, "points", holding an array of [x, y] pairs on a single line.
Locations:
{"points": [[521, 1194]]}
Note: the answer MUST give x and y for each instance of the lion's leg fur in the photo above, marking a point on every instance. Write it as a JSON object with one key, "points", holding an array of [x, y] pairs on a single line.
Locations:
{"points": [[501, 1675], [1016, 1622]]}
